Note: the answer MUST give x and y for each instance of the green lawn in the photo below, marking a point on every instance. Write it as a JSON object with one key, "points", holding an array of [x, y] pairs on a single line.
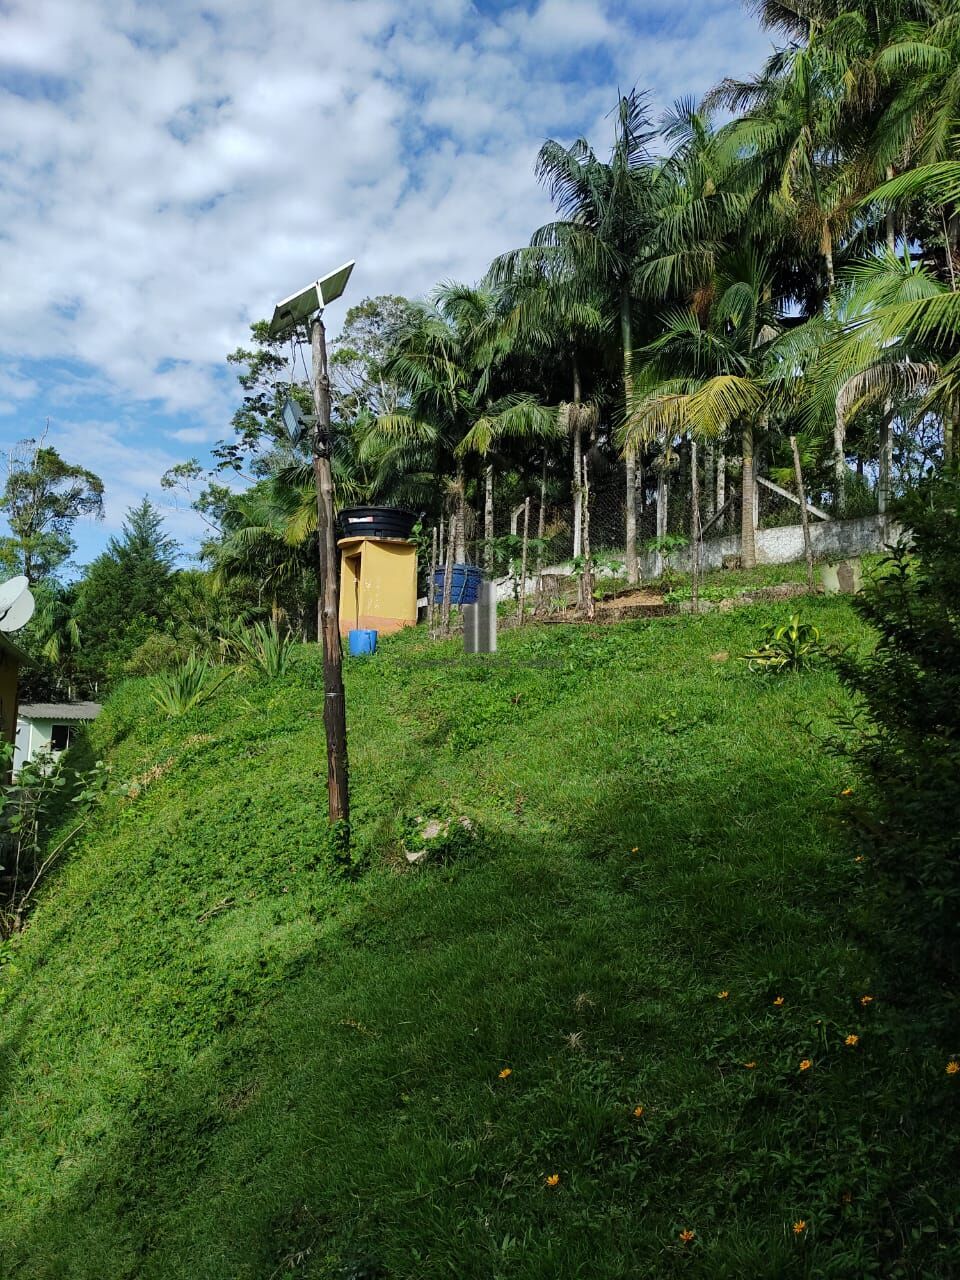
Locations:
{"points": [[222, 1061]]}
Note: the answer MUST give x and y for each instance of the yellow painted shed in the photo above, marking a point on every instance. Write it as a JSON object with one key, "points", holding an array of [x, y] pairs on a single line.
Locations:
{"points": [[378, 584]]}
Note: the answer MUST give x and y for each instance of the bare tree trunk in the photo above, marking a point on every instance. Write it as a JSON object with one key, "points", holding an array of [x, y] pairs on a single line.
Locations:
{"points": [[827, 246], [432, 589], [488, 521], [577, 455], [586, 580], [630, 453], [949, 431], [447, 580], [891, 223], [804, 518], [886, 465], [694, 528], [721, 486], [663, 497], [541, 533], [442, 543], [334, 701], [839, 461], [523, 561], [748, 529], [577, 496], [460, 521], [709, 469]]}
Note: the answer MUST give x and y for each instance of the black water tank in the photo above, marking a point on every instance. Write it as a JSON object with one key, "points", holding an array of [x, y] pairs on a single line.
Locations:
{"points": [[376, 522]]}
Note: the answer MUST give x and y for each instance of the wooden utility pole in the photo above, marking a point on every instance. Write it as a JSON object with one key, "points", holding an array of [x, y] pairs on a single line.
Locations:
{"points": [[334, 702], [804, 518]]}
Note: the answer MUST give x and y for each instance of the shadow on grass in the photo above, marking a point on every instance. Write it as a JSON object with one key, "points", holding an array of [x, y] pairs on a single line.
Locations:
{"points": [[361, 1113]]}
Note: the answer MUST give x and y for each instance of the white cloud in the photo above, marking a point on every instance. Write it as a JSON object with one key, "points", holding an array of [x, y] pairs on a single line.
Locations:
{"points": [[168, 171]]}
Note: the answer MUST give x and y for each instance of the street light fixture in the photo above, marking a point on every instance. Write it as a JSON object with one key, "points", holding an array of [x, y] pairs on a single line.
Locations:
{"points": [[307, 306]]}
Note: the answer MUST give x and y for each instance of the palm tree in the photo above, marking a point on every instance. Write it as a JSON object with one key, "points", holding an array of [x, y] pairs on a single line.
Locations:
{"points": [[608, 212], [550, 316], [711, 370], [447, 362]]}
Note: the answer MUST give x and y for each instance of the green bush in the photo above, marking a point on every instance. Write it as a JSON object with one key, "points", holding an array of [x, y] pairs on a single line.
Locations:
{"points": [[262, 646], [908, 744], [792, 646], [189, 686]]}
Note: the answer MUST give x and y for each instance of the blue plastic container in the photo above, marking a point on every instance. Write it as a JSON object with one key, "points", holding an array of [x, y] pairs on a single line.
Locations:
{"points": [[361, 642], [465, 583]]}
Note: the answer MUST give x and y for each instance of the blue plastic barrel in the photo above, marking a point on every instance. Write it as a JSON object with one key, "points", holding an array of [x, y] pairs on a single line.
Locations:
{"points": [[361, 642], [465, 580]]}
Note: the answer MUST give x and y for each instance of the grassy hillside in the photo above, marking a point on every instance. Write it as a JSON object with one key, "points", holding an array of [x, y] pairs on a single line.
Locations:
{"points": [[222, 1060]]}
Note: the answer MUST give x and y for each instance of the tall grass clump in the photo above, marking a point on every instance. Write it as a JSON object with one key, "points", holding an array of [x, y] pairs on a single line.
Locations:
{"points": [[187, 686]]}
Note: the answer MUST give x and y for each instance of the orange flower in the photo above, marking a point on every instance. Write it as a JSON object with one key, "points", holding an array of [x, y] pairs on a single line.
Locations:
{"points": [[638, 1112], [866, 999], [806, 1064], [723, 995], [799, 1227], [749, 1065], [552, 1179], [851, 1040], [687, 1235], [507, 1071], [953, 1066], [778, 1001]]}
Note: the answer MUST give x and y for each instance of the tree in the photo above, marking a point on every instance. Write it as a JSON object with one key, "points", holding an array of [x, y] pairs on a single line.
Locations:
{"points": [[446, 363], [43, 497], [609, 211], [125, 593], [712, 369], [359, 382]]}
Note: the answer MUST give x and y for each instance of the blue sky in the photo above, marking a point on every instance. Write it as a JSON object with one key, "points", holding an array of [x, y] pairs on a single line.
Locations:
{"points": [[168, 171]]}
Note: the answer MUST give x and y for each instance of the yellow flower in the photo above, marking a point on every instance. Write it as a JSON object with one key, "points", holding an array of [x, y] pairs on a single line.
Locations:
{"points": [[552, 1179], [507, 1071], [750, 1065], [806, 1064], [799, 1227], [866, 999], [635, 849], [723, 995], [953, 1066], [858, 858], [847, 791], [638, 1112], [778, 1001], [851, 1040], [687, 1235]]}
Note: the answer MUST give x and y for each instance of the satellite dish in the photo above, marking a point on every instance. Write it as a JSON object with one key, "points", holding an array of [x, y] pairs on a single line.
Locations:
{"points": [[16, 604], [316, 296]]}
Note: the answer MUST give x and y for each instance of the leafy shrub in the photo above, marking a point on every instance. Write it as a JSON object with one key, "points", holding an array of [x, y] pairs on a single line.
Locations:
{"points": [[189, 686], [159, 652], [907, 744], [264, 647], [48, 792], [793, 646]]}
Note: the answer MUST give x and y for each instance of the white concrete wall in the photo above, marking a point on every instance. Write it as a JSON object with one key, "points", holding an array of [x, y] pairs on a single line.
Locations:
{"points": [[830, 539]]}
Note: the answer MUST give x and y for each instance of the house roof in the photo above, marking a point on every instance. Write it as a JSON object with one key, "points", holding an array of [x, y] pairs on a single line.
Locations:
{"points": [[59, 710], [7, 646]]}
